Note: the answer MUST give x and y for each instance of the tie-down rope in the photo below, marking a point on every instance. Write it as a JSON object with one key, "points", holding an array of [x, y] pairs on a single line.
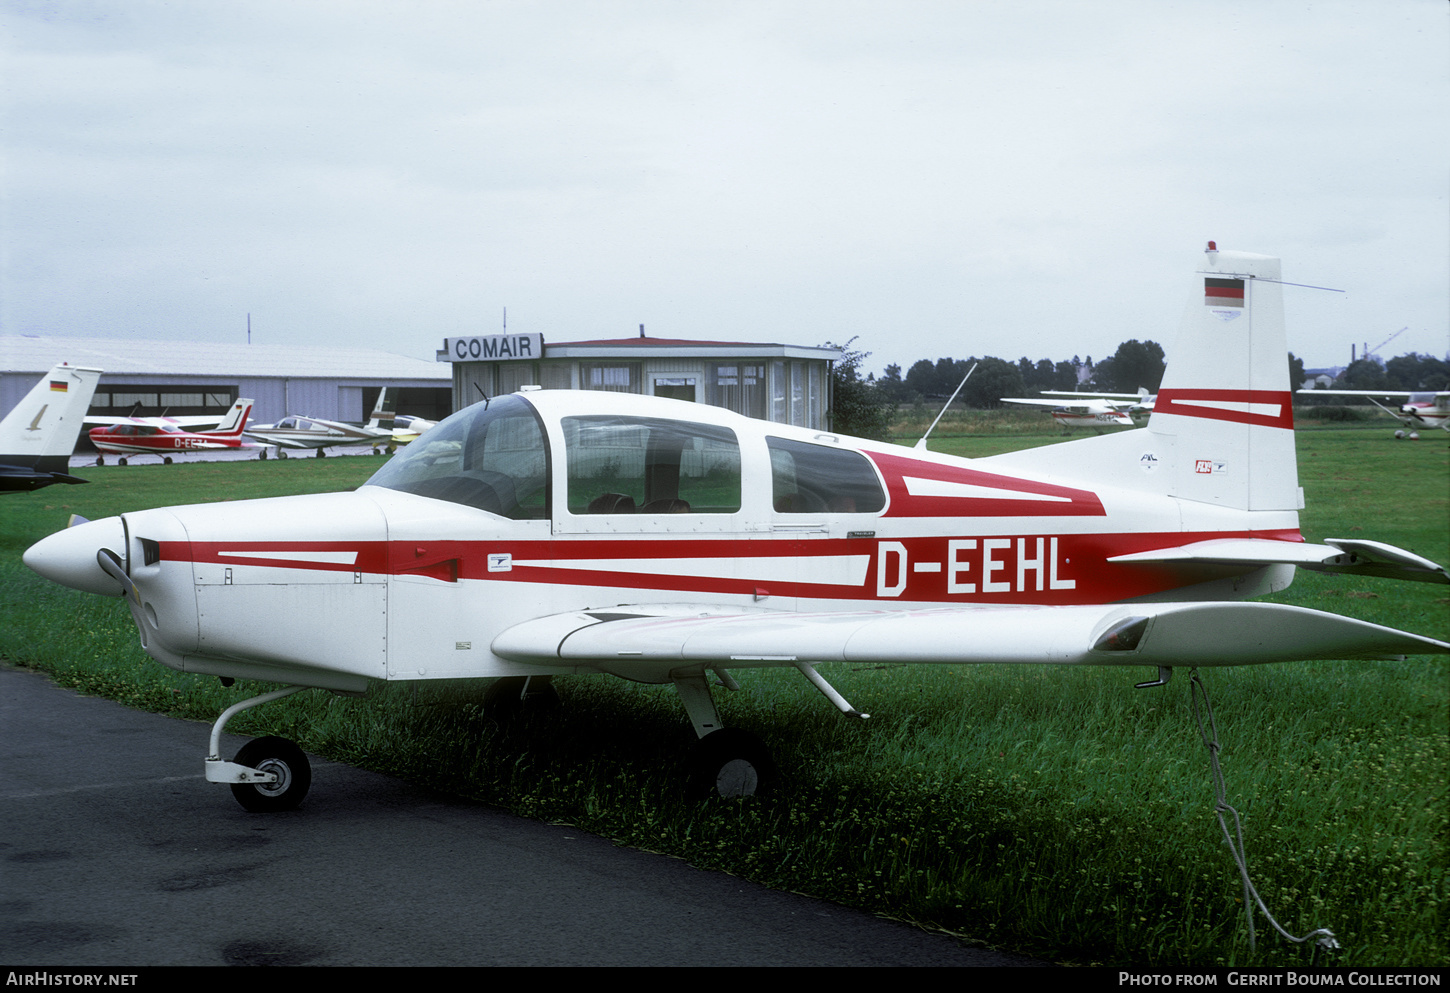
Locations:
{"points": [[1210, 741]]}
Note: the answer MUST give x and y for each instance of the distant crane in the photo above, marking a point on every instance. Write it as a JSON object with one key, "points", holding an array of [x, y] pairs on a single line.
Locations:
{"points": [[1369, 352]]}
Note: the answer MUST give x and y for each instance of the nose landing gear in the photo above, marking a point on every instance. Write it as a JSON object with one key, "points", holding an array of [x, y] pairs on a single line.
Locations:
{"points": [[269, 774]]}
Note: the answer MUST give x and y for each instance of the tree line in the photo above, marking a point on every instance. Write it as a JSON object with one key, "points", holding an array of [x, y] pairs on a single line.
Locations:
{"points": [[863, 404]]}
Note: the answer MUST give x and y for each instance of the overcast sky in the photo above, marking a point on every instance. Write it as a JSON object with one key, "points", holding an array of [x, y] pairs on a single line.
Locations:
{"points": [[1025, 177]]}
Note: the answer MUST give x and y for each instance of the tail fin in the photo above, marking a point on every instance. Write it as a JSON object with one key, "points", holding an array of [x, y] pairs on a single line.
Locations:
{"points": [[46, 422], [235, 421], [1224, 412], [1222, 427], [382, 418]]}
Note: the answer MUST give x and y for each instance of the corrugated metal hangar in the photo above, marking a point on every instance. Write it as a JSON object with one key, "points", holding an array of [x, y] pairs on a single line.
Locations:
{"points": [[186, 378]]}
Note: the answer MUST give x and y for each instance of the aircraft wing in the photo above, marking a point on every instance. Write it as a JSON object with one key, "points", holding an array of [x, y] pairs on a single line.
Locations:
{"points": [[1092, 406], [1359, 393], [196, 422], [1342, 555], [1102, 396], [648, 643]]}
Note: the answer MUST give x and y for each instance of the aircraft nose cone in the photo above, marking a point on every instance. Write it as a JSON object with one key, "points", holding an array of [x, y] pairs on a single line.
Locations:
{"points": [[69, 557]]}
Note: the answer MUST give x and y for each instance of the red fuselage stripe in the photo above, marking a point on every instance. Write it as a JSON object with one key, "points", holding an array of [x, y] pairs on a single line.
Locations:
{"points": [[1034, 568]]}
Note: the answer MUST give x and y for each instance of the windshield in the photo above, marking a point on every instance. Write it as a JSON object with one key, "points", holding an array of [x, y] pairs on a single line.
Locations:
{"points": [[492, 456]]}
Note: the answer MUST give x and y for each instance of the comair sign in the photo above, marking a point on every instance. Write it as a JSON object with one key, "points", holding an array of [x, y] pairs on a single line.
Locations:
{"points": [[494, 347]]}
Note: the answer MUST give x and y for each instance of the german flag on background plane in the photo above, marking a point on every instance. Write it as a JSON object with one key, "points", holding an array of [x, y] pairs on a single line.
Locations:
{"points": [[1223, 292], [59, 386]]}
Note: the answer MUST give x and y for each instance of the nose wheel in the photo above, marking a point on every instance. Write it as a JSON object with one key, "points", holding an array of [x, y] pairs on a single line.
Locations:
{"points": [[285, 763], [269, 774]]}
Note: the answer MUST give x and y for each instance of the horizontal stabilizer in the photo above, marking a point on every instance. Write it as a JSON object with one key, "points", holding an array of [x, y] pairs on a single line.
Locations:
{"points": [[1337, 555], [647, 643]]}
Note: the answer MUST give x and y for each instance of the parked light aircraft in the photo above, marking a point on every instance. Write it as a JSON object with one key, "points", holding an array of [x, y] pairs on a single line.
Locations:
{"points": [[1137, 403], [1089, 410], [38, 436], [1421, 409], [167, 440], [381, 430], [558, 533]]}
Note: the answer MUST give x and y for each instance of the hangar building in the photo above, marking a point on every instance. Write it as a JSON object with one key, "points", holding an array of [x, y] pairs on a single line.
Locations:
{"points": [[788, 384], [187, 377]]}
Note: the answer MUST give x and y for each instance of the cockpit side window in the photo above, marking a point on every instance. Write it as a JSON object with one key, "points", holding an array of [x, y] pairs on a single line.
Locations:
{"points": [[492, 456], [648, 465], [816, 479]]}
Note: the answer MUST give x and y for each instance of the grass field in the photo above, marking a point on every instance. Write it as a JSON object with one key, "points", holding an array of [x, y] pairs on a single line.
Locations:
{"points": [[1056, 812]]}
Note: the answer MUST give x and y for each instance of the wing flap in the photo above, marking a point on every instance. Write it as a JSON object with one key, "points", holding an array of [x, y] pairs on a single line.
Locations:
{"points": [[626, 640]]}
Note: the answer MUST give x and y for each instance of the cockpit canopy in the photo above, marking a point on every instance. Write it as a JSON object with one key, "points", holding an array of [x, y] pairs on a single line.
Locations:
{"points": [[496, 456]]}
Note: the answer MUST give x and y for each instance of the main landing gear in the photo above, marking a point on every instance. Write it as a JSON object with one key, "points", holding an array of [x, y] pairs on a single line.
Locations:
{"points": [[727, 762], [269, 774], [730, 762]]}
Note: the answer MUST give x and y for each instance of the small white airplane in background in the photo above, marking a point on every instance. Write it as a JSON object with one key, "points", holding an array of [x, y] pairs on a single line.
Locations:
{"points": [[569, 533], [1421, 409], [1138, 403], [382, 430], [1092, 410], [38, 436]]}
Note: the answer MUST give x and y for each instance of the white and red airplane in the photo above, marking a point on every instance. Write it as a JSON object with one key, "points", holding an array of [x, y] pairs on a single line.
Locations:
{"points": [[561, 533], [1421, 409], [167, 440]]}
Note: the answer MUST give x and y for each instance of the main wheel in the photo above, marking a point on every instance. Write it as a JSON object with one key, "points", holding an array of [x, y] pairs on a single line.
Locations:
{"points": [[279, 756], [729, 763]]}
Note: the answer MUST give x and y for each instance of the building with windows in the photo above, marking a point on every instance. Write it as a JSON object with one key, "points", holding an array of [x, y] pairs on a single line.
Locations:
{"points": [[788, 384]]}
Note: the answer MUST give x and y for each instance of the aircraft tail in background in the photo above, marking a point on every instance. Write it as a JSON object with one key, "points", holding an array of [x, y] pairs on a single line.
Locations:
{"points": [[235, 422], [382, 418], [38, 436]]}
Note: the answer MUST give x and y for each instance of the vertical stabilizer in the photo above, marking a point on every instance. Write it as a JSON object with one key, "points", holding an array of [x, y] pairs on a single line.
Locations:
{"points": [[1224, 409], [382, 418], [46, 422], [235, 421]]}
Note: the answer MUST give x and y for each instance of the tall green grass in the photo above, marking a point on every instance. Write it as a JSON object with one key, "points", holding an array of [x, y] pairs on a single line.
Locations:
{"points": [[1056, 812]]}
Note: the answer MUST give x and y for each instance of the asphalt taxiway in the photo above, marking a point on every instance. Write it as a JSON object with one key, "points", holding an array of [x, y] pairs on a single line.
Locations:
{"points": [[114, 850]]}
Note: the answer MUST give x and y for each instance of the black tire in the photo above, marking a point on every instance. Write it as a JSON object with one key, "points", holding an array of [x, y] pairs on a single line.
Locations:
{"points": [[281, 454], [121, 461], [273, 754], [729, 763]]}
